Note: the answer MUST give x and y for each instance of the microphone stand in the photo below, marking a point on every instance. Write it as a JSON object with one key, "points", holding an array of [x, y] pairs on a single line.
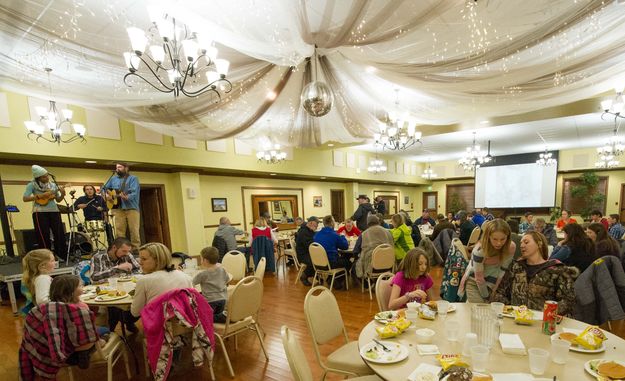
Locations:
{"points": [[108, 230], [71, 217]]}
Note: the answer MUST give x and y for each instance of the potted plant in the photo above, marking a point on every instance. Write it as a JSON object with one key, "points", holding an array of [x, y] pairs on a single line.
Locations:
{"points": [[586, 191]]}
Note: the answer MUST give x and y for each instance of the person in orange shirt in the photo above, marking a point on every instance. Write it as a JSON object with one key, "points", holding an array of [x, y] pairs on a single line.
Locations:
{"points": [[349, 229], [565, 219]]}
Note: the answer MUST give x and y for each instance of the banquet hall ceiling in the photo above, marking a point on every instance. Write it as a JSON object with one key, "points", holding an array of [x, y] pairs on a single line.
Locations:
{"points": [[455, 62]]}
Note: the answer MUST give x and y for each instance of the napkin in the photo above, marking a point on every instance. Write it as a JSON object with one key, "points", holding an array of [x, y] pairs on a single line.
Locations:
{"points": [[512, 344], [512, 377], [427, 349], [424, 368]]}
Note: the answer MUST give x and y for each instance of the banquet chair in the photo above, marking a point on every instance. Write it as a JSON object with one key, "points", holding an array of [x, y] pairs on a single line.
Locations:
{"points": [[259, 272], [474, 237], [383, 290], [382, 260], [297, 359], [234, 263], [458, 245], [284, 256], [322, 267], [326, 324], [243, 307], [108, 354]]}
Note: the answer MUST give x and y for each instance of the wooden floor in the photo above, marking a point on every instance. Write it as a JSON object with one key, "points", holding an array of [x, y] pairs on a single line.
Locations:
{"points": [[282, 305]]}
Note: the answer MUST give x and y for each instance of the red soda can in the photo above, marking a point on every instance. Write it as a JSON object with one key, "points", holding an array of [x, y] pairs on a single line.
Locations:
{"points": [[550, 312]]}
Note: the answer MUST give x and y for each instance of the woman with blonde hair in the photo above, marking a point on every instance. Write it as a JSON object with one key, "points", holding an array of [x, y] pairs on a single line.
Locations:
{"points": [[401, 236], [37, 265], [160, 276], [261, 227], [490, 259]]}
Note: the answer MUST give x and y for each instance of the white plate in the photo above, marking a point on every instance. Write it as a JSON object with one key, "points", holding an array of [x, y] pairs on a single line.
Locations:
{"points": [[107, 298], [88, 296], [124, 279], [538, 315], [452, 308], [385, 317], [578, 348], [398, 352], [592, 372]]}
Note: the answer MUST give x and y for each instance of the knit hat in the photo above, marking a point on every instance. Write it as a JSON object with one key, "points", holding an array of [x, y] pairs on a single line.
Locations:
{"points": [[38, 171]]}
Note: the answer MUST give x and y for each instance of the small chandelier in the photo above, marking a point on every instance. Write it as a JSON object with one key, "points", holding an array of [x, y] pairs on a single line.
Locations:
{"points": [[376, 166], [429, 173], [609, 153], [271, 154], [54, 121], [180, 63], [474, 157], [397, 133], [546, 159], [615, 106]]}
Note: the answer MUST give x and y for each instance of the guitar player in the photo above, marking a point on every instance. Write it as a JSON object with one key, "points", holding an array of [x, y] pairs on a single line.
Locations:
{"points": [[125, 202], [46, 217]]}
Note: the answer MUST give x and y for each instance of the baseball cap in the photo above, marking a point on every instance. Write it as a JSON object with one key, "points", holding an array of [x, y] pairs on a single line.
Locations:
{"points": [[362, 196], [312, 219]]}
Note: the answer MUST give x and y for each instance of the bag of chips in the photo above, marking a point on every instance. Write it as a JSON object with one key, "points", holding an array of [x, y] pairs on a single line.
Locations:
{"points": [[591, 338], [387, 331], [523, 315], [402, 324], [448, 360]]}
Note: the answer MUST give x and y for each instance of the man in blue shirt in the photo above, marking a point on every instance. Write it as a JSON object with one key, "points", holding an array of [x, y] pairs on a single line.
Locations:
{"points": [[616, 229], [125, 190], [478, 218], [332, 242]]}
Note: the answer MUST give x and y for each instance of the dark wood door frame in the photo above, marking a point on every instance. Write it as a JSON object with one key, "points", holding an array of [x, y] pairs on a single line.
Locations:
{"points": [[162, 204], [424, 203], [339, 215]]}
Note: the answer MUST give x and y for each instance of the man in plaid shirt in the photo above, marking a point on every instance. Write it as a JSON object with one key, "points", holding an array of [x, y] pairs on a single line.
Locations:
{"points": [[118, 260]]}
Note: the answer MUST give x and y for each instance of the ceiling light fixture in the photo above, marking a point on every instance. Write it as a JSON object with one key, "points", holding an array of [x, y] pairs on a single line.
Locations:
{"points": [[271, 153], [397, 133], [615, 106], [546, 159], [376, 166], [180, 63], [54, 121], [609, 153], [474, 157], [429, 173]]}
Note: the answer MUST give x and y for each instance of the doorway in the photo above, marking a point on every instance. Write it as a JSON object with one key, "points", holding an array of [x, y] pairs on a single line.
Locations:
{"points": [[337, 204], [154, 221], [621, 205], [430, 201]]}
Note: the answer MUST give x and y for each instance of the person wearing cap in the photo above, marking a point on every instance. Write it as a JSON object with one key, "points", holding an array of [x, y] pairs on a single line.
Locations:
{"points": [[380, 205], [46, 217], [361, 214], [304, 237], [126, 211]]}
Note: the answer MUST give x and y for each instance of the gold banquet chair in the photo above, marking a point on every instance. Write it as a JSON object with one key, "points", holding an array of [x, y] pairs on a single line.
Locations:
{"points": [[108, 354], [234, 263], [297, 359], [382, 260], [325, 324], [319, 259], [383, 290]]}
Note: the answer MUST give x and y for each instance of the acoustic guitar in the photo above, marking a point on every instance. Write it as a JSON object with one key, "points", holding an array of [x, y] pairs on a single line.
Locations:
{"points": [[44, 198], [112, 197]]}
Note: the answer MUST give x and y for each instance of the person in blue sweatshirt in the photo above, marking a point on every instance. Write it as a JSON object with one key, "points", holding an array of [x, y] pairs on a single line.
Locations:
{"points": [[332, 242]]}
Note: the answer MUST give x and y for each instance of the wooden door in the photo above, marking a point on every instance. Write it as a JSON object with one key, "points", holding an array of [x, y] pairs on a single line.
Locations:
{"points": [[391, 205], [154, 223], [621, 204], [430, 201], [337, 204]]}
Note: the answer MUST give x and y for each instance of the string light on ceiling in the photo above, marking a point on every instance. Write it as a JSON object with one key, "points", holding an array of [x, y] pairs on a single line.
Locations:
{"points": [[185, 62], [474, 157], [54, 121], [429, 174], [609, 153], [397, 133]]}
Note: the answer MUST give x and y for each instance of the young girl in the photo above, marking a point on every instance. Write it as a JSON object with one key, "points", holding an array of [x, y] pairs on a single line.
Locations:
{"points": [[412, 282], [401, 236], [490, 259], [37, 266]]}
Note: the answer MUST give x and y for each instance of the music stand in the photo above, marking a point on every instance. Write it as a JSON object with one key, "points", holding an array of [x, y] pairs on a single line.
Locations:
{"points": [[11, 209]]}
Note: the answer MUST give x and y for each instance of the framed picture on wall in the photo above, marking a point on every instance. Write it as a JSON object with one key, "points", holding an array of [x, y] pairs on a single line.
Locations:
{"points": [[406, 200], [219, 204], [317, 201], [276, 207]]}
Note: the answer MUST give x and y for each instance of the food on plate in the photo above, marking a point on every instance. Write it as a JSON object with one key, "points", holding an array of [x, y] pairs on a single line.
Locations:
{"points": [[432, 304], [456, 373], [372, 354], [568, 336], [387, 315], [508, 309], [591, 338], [100, 291], [612, 370], [449, 360], [482, 377], [115, 293], [523, 315], [427, 313]]}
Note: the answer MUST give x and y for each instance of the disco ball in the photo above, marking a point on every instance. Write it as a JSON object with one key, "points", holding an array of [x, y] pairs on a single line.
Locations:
{"points": [[317, 99]]}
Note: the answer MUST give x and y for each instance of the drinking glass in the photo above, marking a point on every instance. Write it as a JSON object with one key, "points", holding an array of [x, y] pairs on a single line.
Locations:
{"points": [[497, 307], [560, 351], [451, 330], [479, 357], [539, 358], [113, 283], [470, 340], [443, 307], [485, 324]]}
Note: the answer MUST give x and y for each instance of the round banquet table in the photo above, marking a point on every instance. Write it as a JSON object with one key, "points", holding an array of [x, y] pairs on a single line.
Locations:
{"points": [[499, 362]]}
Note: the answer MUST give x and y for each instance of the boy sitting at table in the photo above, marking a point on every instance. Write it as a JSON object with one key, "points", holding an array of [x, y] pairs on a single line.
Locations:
{"points": [[214, 283]]}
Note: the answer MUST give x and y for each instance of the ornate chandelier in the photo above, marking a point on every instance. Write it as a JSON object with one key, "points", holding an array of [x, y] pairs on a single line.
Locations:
{"points": [[376, 166], [271, 154], [185, 62], [429, 173], [473, 157], [614, 106], [609, 153], [54, 121], [546, 159], [397, 133]]}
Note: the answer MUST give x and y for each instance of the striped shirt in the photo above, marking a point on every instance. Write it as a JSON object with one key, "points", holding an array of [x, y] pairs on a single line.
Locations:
{"points": [[487, 272], [103, 266]]}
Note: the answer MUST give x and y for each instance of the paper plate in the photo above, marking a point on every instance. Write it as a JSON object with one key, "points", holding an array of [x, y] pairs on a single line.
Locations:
{"points": [[385, 317], [538, 315], [124, 279], [588, 366], [575, 347], [373, 352], [107, 298]]}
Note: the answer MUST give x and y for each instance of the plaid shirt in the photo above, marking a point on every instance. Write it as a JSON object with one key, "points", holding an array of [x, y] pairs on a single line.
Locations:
{"points": [[104, 267], [52, 331]]}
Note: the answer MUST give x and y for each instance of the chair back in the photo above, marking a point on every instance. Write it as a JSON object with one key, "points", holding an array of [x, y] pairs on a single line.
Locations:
{"points": [[475, 236], [245, 300], [234, 263], [295, 355], [457, 243], [382, 258], [318, 255], [323, 315], [383, 290], [260, 269]]}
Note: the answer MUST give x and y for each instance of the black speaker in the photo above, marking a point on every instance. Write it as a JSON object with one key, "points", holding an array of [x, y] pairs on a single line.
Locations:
{"points": [[26, 240]]}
